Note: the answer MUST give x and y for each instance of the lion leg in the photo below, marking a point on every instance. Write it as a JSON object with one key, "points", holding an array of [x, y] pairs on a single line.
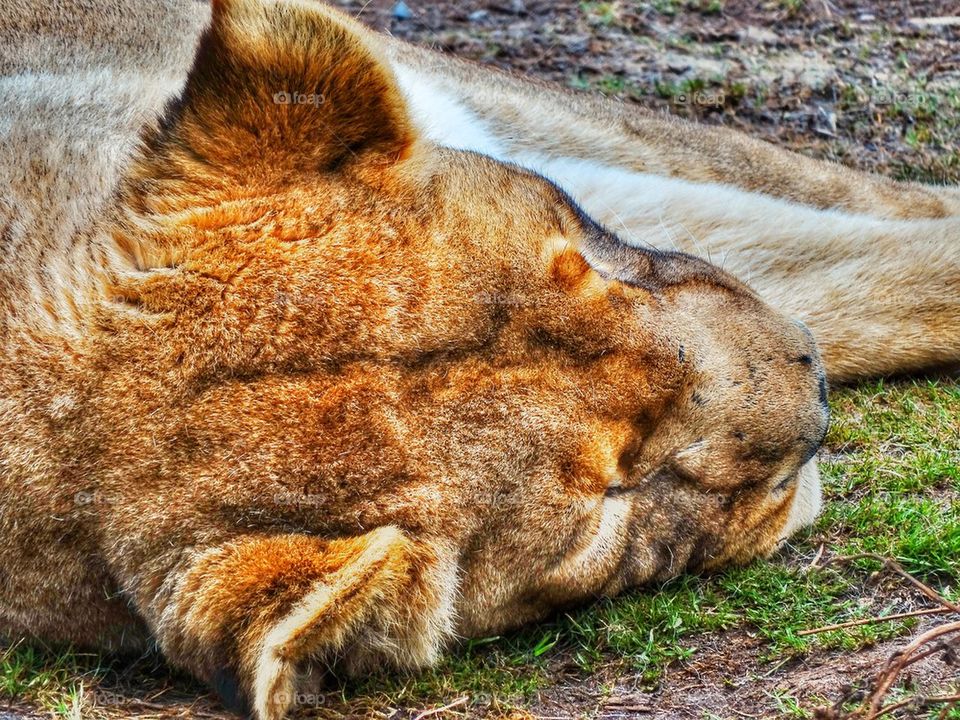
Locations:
{"points": [[887, 303], [248, 615], [699, 153]]}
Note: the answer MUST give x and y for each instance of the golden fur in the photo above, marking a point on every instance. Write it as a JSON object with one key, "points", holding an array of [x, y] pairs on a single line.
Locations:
{"points": [[283, 382]]}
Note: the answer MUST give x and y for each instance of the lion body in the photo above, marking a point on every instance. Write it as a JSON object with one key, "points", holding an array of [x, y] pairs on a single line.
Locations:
{"points": [[284, 381]]}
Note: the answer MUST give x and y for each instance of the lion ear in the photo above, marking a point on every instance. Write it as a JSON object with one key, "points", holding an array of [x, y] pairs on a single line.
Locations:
{"points": [[280, 86]]}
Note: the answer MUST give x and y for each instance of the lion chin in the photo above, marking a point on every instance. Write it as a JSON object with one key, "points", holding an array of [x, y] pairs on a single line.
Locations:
{"points": [[313, 388]]}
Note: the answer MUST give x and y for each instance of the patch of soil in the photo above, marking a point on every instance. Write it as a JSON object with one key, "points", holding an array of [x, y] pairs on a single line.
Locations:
{"points": [[726, 680], [850, 80]]}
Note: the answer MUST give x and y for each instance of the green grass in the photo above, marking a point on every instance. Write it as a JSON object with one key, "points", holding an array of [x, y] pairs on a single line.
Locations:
{"points": [[893, 485], [891, 479], [601, 13], [54, 681]]}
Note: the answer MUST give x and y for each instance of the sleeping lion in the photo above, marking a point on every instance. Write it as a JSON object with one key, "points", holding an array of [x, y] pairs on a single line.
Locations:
{"points": [[317, 346]]}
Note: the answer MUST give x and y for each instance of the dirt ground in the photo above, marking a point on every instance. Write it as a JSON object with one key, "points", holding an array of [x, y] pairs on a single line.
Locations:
{"points": [[864, 82], [725, 679]]}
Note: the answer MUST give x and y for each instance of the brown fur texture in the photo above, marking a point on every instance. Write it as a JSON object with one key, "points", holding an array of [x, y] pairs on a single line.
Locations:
{"points": [[287, 382]]}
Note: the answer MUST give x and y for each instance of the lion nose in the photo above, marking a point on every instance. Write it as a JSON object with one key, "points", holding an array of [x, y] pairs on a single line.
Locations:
{"points": [[824, 425], [815, 362], [812, 360], [816, 442]]}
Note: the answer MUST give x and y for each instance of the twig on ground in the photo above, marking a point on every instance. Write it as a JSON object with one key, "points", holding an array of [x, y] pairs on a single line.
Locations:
{"points": [[943, 21], [891, 564], [873, 620], [903, 658], [944, 638], [947, 708], [436, 711], [919, 702], [816, 558]]}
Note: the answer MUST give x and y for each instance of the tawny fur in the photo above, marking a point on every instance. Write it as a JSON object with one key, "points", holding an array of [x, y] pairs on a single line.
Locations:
{"points": [[284, 383]]}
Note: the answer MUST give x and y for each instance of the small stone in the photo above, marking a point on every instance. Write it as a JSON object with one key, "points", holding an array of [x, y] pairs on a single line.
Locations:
{"points": [[825, 123], [478, 16], [867, 17], [401, 11], [578, 46]]}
